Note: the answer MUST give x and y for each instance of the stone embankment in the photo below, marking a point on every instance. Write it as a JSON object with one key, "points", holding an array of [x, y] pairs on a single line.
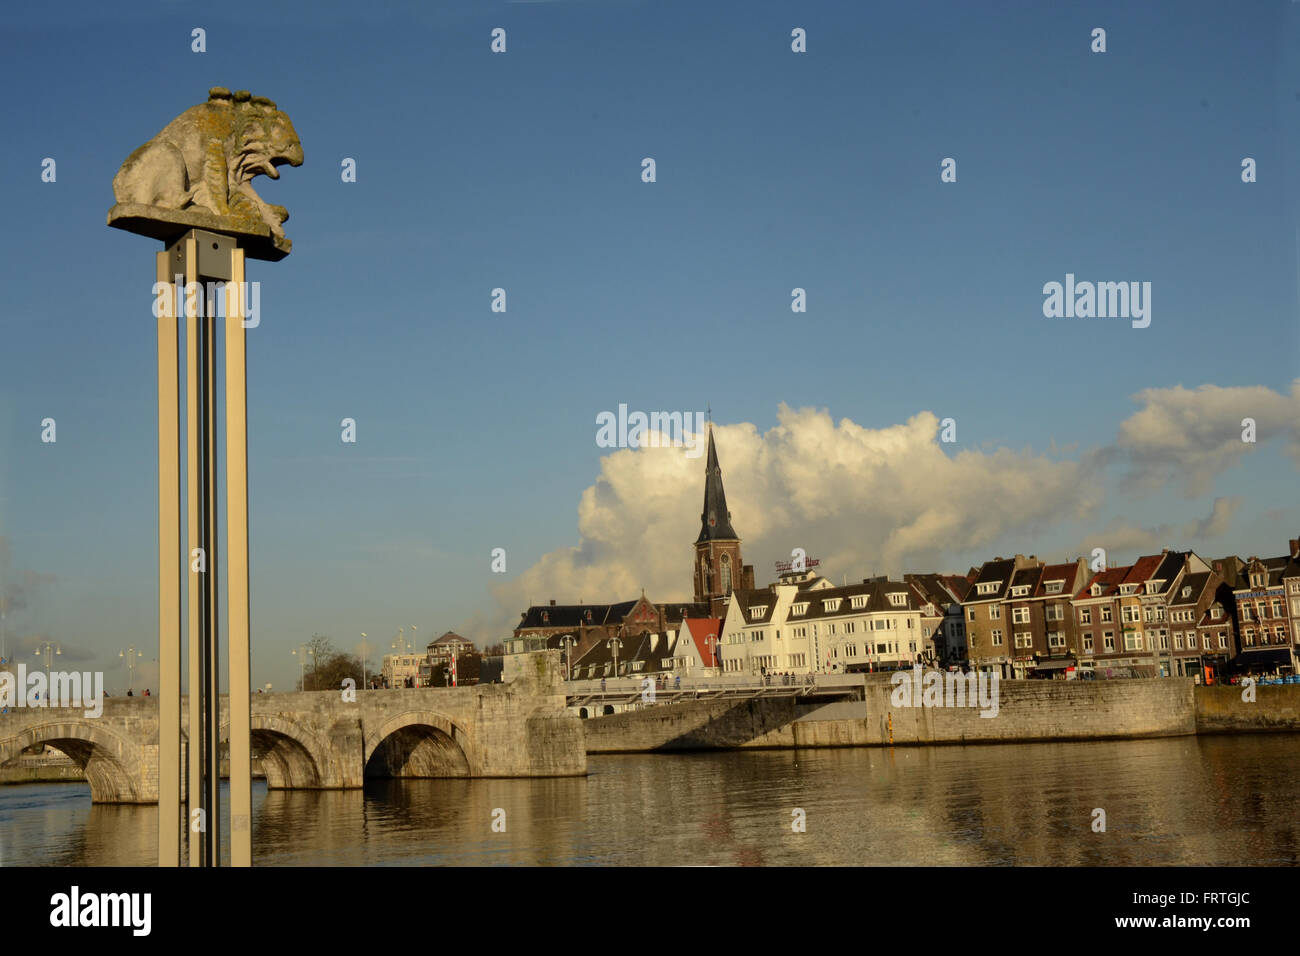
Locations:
{"points": [[1028, 711]]}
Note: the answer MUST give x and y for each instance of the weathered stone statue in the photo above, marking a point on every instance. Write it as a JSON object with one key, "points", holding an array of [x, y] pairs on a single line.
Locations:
{"points": [[198, 173]]}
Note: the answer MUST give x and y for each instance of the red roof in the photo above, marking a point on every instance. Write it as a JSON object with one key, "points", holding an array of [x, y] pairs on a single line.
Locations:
{"points": [[1108, 579], [1144, 568], [700, 629]]}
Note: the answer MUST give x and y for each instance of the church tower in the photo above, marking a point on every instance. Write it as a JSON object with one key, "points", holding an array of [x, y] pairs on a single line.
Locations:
{"points": [[718, 565]]}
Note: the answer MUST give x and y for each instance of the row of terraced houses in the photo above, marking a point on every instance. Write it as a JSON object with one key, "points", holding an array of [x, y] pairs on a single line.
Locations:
{"points": [[1173, 613]]}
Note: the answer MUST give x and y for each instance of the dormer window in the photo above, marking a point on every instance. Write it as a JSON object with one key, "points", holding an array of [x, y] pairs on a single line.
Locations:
{"points": [[1020, 590], [831, 605], [1257, 580], [1054, 587], [798, 609], [1127, 588], [1153, 587], [988, 587], [1187, 592], [757, 611], [898, 599], [859, 601], [1096, 590]]}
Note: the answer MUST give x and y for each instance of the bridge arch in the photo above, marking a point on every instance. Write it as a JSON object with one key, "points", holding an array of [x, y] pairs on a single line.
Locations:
{"points": [[111, 763], [417, 743], [293, 757]]}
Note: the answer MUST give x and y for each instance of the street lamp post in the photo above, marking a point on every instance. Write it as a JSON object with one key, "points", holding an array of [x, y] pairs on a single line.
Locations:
{"points": [[302, 651], [131, 655], [567, 642], [401, 645], [365, 649], [614, 644], [46, 651]]}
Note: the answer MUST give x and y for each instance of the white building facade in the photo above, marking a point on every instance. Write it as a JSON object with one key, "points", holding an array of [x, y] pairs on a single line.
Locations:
{"points": [[805, 625]]}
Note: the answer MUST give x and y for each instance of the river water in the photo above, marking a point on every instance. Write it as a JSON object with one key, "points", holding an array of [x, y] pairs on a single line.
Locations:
{"points": [[1187, 800]]}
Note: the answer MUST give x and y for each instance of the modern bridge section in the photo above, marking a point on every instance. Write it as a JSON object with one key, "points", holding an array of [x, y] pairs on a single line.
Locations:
{"points": [[594, 698], [329, 740]]}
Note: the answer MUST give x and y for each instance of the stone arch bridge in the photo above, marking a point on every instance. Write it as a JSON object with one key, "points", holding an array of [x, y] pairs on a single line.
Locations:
{"points": [[319, 740]]}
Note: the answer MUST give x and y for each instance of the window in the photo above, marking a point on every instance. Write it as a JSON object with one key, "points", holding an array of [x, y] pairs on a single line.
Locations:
{"points": [[1024, 640], [1130, 615], [1056, 639], [797, 609], [726, 574], [997, 637], [1107, 614], [830, 628], [859, 601], [1020, 590], [1164, 641], [995, 612], [1085, 615], [1250, 637], [972, 614], [1054, 587], [1108, 640], [898, 599], [988, 587], [1055, 612], [1096, 590], [1178, 640], [1277, 607], [831, 605], [849, 627], [1020, 615], [757, 611], [1223, 641], [1087, 642], [1191, 640], [1187, 592], [1245, 612], [1132, 641]]}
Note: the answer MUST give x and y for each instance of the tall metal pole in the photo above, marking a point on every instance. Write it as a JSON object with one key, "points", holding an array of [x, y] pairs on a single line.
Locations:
{"points": [[169, 577], [241, 850], [188, 267], [211, 636]]}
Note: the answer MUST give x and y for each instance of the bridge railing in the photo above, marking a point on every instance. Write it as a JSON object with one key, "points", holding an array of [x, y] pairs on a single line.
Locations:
{"points": [[721, 683]]}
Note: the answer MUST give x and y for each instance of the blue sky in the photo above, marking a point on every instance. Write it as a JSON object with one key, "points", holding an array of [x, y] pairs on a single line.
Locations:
{"points": [[522, 170]]}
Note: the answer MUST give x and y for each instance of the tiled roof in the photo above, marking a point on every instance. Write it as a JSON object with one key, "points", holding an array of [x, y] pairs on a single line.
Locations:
{"points": [[573, 615], [1065, 573], [700, 629]]}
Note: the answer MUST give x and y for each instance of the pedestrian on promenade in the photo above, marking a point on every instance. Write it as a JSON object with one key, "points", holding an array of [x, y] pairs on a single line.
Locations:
{"points": [[146, 692], [679, 681], [130, 693], [602, 685]]}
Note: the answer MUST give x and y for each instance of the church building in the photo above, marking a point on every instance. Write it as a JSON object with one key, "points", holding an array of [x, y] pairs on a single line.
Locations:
{"points": [[584, 631]]}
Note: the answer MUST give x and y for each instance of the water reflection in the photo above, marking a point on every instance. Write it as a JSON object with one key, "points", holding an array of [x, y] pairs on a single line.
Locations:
{"points": [[1181, 801]]}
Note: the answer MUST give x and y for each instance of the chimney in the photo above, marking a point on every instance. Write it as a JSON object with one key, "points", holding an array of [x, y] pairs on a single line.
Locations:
{"points": [[1295, 547]]}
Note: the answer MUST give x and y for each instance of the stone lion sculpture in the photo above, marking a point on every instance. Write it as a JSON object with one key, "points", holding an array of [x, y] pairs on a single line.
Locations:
{"points": [[206, 159]]}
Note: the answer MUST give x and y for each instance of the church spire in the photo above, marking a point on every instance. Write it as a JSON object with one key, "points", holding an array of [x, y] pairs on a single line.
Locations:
{"points": [[715, 520]]}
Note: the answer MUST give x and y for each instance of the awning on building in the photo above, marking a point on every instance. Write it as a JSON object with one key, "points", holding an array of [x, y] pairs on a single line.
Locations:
{"points": [[1264, 657], [1055, 664]]}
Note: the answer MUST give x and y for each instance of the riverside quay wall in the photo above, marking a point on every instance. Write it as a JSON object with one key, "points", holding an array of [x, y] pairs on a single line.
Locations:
{"points": [[1028, 710]]}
